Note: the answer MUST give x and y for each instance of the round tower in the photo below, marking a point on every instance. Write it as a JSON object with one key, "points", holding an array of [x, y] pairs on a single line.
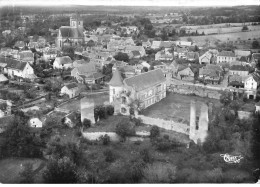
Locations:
{"points": [[116, 86]]}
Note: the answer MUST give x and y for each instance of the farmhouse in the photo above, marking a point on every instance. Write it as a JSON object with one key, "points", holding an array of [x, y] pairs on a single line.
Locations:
{"points": [[185, 73], [64, 62], [70, 89], [238, 70], [251, 84], [35, 123], [15, 68], [205, 58], [226, 56], [141, 90]]}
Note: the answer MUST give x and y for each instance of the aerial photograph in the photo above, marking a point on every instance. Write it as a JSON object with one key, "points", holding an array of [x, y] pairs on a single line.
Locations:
{"points": [[129, 92]]}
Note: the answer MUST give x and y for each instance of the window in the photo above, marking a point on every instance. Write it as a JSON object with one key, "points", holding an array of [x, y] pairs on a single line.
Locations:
{"points": [[114, 91]]}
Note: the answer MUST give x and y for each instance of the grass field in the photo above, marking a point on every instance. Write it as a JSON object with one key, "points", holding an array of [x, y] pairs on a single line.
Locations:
{"points": [[225, 37], [11, 167], [176, 107], [72, 105]]}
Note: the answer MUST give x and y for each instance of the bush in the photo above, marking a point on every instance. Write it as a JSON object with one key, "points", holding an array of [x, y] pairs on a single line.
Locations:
{"points": [[105, 139], [109, 155], [86, 123], [137, 121], [125, 128], [154, 132], [110, 110], [78, 133], [146, 155]]}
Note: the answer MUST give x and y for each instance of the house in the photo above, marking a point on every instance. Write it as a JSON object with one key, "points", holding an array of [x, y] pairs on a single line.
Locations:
{"points": [[64, 62], [49, 54], [89, 37], [146, 89], [236, 81], [101, 30], [71, 119], [205, 58], [180, 52], [146, 44], [129, 48], [242, 53], [211, 76], [3, 79], [118, 64], [134, 54], [255, 58], [5, 108], [87, 73], [71, 89], [145, 64], [238, 70], [251, 83], [71, 35], [186, 73], [20, 44], [26, 56], [5, 51], [191, 56], [79, 63], [183, 43], [35, 122], [162, 55], [19, 69], [156, 44], [226, 56]]}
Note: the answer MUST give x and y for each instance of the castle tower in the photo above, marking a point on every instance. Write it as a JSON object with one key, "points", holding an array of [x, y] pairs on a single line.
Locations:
{"points": [[203, 123], [192, 134], [116, 85]]}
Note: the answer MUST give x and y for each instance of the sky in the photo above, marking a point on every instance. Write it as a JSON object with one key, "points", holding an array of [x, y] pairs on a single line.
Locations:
{"points": [[131, 2]]}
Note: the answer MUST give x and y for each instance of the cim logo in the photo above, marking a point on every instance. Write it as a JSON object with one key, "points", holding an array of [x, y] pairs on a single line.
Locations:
{"points": [[231, 159]]}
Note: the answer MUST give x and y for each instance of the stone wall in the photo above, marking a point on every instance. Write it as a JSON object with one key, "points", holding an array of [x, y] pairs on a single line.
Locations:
{"points": [[196, 90], [165, 124]]}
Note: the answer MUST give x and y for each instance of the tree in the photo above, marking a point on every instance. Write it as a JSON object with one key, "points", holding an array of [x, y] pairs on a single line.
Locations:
{"points": [[90, 43], [110, 110], [109, 155], [69, 51], [122, 57], [86, 123], [27, 175], [226, 98], [255, 44], [245, 28], [154, 132], [145, 69], [125, 128], [61, 170]]}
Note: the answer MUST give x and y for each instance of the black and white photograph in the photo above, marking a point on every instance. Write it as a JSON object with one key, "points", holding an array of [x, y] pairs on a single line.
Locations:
{"points": [[129, 92]]}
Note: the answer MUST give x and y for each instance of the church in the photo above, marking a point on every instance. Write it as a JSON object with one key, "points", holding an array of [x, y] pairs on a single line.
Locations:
{"points": [[71, 35]]}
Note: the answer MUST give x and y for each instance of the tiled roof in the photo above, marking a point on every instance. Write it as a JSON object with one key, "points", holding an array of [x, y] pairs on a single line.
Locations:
{"points": [[63, 60], [87, 68], [127, 68], [78, 63], [117, 79], [192, 55], [71, 32], [3, 78], [14, 64], [136, 53], [227, 54], [214, 67], [255, 76], [256, 55], [238, 68], [235, 78], [19, 44], [71, 85], [95, 75], [145, 80], [26, 54]]}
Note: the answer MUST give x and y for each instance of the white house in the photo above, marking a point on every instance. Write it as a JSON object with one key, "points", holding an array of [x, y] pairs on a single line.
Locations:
{"points": [[226, 56], [19, 69], [251, 84], [71, 90], [145, 64], [205, 58], [35, 123], [64, 62]]}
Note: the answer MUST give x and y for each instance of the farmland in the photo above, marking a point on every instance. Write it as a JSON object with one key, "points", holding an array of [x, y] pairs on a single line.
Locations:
{"points": [[225, 37]]}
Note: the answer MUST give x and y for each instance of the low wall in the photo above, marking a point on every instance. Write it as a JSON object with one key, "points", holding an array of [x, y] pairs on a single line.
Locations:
{"points": [[165, 124], [115, 137], [244, 114], [96, 135], [196, 90]]}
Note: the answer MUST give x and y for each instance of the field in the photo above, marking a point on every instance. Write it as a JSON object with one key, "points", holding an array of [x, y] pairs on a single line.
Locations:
{"points": [[176, 107], [225, 37], [10, 169], [72, 105]]}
